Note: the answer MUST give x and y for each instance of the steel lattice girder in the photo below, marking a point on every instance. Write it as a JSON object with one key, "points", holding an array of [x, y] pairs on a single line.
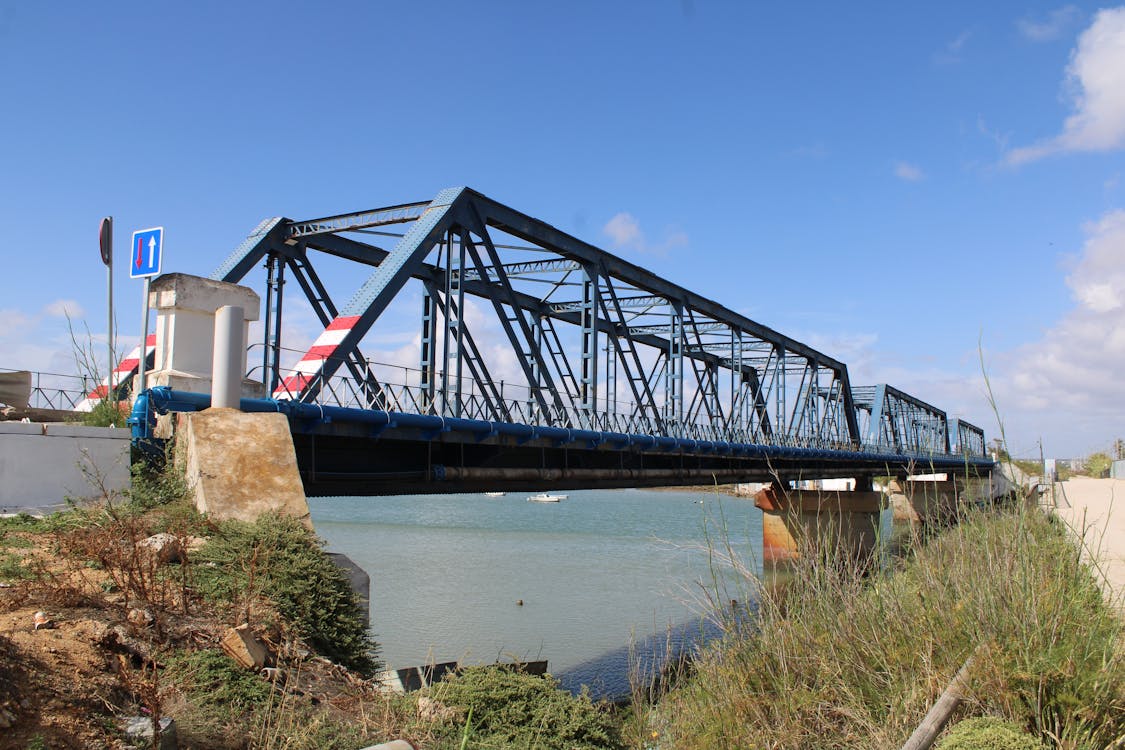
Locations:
{"points": [[899, 420], [969, 437], [741, 380]]}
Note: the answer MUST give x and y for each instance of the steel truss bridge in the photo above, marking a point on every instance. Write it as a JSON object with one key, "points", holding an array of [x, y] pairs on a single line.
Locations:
{"points": [[542, 360]]}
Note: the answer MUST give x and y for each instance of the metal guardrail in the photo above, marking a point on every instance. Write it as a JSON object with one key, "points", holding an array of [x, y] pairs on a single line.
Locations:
{"points": [[398, 388], [52, 390]]}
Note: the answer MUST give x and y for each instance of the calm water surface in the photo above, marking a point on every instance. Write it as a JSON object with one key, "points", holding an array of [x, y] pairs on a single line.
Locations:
{"points": [[597, 573]]}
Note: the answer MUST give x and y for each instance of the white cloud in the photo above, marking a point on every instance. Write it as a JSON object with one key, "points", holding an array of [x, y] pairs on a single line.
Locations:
{"points": [[1098, 279], [1068, 382], [1051, 27], [908, 172], [62, 308], [1096, 74], [41, 342], [951, 54], [624, 233], [623, 230]]}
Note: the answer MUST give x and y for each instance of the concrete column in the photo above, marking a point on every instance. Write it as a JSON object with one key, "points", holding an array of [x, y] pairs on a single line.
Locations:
{"points": [[227, 361], [920, 503], [185, 331], [801, 522]]}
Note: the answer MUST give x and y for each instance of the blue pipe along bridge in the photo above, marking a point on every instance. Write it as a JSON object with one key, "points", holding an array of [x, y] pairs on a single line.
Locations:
{"points": [[540, 361]]}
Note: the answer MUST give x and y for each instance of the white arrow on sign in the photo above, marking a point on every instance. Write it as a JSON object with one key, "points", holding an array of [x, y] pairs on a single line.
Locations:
{"points": [[152, 251]]}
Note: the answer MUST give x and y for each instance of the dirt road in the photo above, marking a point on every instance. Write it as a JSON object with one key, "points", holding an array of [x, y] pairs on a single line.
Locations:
{"points": [[1095, 509]]}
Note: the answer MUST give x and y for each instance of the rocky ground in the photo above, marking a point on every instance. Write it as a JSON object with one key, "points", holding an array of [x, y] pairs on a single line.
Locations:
{"points": [[77, 659]]}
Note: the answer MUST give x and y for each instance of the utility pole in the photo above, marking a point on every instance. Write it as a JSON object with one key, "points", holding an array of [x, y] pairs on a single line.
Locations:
{"points": [[105, 246]]}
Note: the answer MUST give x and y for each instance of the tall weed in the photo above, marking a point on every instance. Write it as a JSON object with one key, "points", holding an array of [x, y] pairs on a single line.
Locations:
{"points": [[843, 661]]}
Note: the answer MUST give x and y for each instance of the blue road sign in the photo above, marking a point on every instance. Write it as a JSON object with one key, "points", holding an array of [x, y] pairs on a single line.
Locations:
{"points": [[144, 255]]}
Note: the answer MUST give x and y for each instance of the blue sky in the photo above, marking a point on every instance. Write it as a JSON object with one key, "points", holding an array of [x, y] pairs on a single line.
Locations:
{"points": [[892, 184]]}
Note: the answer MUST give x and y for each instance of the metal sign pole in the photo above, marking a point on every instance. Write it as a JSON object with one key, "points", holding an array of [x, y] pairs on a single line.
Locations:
{"points": [[110, 394], [144, 340], [105, 247]]}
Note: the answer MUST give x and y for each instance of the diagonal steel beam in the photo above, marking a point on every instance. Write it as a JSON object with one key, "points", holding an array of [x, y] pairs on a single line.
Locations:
{"points": [[504, 287], [345, 332]]}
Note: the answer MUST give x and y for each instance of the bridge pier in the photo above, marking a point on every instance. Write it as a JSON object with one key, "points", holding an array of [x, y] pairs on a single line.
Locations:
{"points": [[840, 525], [918, 504]]}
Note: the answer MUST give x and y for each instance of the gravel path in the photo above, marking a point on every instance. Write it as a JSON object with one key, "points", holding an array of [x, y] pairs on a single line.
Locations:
{"points": [[1095, 510]]}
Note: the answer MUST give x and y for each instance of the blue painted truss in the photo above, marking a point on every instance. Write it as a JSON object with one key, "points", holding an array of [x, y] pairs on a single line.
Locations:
{"points": [[521, 324]]}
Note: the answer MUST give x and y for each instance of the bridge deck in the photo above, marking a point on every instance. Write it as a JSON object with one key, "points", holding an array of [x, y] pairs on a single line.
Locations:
{"points": [[344, 451]]}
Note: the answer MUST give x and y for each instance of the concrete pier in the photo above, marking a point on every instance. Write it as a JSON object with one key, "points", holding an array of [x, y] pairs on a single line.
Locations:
{"points": [[796, 523]]}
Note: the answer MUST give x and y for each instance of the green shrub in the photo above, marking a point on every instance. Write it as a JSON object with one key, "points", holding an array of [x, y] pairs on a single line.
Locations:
{"points": [[19, 522], [11, 567], [509, 709], [214, 681], [106, 413], [988, 733], [222, 698], [280, 559], [156, 483]]}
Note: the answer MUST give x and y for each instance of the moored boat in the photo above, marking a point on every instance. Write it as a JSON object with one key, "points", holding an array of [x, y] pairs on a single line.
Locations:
{"points": [[543, 497]]}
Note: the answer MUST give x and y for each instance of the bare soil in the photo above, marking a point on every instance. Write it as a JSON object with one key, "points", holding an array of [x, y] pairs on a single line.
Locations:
{"points": [[69, 683], [1095, 510]]}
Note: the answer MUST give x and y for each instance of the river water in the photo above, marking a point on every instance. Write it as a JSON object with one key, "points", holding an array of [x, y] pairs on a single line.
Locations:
{"points": [[601, 574]]}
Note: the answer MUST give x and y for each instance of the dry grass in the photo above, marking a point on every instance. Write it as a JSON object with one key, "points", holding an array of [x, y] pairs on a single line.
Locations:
{"points": [[841, 660]]}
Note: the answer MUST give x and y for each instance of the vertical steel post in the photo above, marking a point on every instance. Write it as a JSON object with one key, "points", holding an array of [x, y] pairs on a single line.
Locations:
{"points": [[536, 369], [449, 315], [267, 379], [460, 317], [782, 422], [144, 340], [275, 335], [588, 320], [674, 372], [427, 358], [454, 310], [737, 409], [610, 378]]}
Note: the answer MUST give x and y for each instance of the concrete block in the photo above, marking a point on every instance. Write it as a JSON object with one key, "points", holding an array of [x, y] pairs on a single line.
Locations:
{"points": [[42, 465], [56, 429], [241, 645], [241, 465], [22, 428]]}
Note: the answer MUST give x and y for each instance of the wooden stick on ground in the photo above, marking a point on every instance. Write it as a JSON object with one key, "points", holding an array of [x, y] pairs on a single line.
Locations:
{"points": [[939, 713]]}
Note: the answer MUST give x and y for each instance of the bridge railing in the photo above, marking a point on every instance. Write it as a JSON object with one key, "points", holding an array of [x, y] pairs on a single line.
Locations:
{"points": [[368, 384], [52, 390]]}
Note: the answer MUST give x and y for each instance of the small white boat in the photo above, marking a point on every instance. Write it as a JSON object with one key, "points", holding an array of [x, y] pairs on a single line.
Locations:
{"points": [[543, 497], [494, 494]]}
